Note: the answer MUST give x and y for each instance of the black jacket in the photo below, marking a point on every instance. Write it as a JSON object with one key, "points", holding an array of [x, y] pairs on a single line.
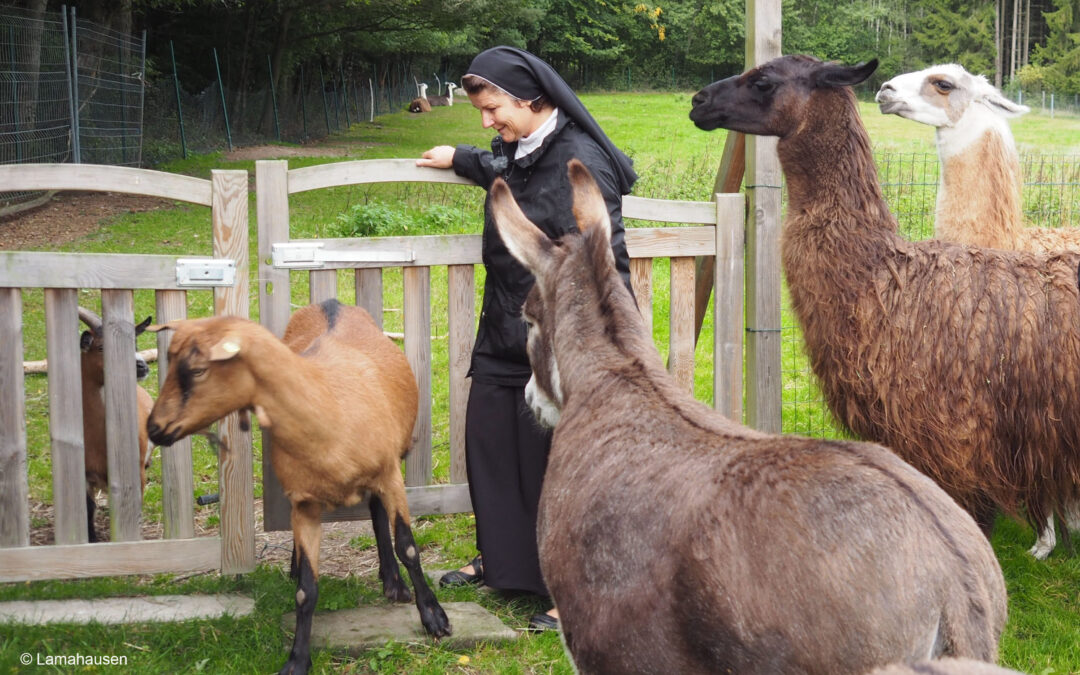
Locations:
{"points": [[541, 186]]}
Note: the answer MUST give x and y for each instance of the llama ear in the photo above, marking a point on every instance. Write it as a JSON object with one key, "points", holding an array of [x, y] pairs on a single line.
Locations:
{"points": [[590, 209], [524, 240], [1004, 106], [837, 75]]}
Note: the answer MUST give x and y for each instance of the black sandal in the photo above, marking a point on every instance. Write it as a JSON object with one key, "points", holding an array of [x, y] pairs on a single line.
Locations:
{"points": [[459, 578]]}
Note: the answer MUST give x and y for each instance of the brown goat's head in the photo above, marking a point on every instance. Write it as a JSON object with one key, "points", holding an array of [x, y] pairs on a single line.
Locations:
{"points": [[590, 250], [91, 344], [769, 100], [206, 379]]}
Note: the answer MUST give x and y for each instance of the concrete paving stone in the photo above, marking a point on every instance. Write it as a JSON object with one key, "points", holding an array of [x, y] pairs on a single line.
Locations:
{"points": [[142, 609], [355, 630]]}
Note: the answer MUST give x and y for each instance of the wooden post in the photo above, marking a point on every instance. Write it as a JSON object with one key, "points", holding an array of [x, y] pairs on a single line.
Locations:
{"points": [[272, 213], [681, 323], [416, 282], [461, 325], [369, 292], [641, 281], [728, 333], [763, 193], [229, 212], [322, 285], [728, 179], [14, 491], [121, 423], [177, 479], [65, 415]]}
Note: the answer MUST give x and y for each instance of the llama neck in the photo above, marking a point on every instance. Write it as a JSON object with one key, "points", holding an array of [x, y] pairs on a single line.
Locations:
{"points": [[978, 199], [829, 167]]}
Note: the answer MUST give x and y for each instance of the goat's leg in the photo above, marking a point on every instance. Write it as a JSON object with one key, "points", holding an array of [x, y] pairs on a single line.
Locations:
{"points": [[307, 530], [91, 506], [431, 612], [393, 586]]}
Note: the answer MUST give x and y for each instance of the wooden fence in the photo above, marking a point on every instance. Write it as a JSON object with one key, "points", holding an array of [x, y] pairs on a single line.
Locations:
{"points": [[61, 275], [416, 256], [712, 231]]}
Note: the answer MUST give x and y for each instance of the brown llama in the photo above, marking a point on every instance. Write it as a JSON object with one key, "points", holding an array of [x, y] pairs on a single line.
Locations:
{"points": [[957, 358], [653, 514], [979, 199]]}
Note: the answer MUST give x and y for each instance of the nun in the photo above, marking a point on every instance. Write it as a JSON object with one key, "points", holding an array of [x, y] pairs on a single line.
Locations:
{"points": [[541, 125]]}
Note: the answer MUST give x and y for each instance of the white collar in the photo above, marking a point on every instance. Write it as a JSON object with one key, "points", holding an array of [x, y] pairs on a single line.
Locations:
{"points": [[527, 144]]}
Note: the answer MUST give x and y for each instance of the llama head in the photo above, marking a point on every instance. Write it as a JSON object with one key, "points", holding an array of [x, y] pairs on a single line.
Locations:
{"points": [[574, 261], [941, 95], [772, 99]]}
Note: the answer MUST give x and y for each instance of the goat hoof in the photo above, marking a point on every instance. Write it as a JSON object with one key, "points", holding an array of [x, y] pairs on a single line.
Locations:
{"points": [[435, 621], [295, 667], [397, 592]]}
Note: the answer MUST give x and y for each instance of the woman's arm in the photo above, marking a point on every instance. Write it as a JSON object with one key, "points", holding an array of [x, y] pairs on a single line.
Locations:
{"points": [[466, 160]]}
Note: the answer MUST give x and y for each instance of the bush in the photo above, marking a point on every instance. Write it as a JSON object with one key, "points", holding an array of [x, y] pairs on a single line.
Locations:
{"points": [[378, 219]]}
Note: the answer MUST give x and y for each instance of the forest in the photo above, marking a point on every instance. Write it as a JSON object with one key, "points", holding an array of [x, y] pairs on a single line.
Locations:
{"points": [[595, 44]]}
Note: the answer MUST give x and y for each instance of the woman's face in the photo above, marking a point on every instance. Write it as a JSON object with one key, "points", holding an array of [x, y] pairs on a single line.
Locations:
{"points": [[511, 118]]}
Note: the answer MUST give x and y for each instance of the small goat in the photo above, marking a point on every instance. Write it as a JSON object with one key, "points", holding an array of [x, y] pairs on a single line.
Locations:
{"points": [[420, 104], [653, 515], [341, 401], [960, 359], [92, 367], [979, 200], [444, 100]]}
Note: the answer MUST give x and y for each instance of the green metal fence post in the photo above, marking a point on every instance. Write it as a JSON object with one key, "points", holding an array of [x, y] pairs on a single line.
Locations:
{"points": [[224, 108]]}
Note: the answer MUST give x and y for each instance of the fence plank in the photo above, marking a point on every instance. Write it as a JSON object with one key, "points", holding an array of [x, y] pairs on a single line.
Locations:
{"points": [[105, 178], [32, 269], [641, 281], [426, 499], [462, 330], [368, 171], [14, 491], [230, 219], [668, 210], [369, 292], [272, 204], [681, 323], [322, 285], [416, 283], [177, 472], [728, 308], [65, 415], [109, 559], [121, 425]]}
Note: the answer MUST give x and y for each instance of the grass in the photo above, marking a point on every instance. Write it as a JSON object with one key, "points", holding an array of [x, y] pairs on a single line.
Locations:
{"points": [[675, 161]]}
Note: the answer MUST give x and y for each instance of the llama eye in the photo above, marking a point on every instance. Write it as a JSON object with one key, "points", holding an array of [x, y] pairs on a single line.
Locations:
{"points": [[943, 86], [763, 86]]}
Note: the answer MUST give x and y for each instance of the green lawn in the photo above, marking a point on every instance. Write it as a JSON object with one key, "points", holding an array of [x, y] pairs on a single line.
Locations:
{"points": [[675, 161]]}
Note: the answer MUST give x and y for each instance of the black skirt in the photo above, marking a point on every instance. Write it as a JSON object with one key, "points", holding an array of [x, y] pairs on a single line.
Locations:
{"points": [[506, 453]]}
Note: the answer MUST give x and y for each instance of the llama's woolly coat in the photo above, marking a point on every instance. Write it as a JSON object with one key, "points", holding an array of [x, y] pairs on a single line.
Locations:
{"points": [[953, 356]]}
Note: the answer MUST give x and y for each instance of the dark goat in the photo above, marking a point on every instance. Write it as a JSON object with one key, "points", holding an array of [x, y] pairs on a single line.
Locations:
{"points": [[92, 366]]}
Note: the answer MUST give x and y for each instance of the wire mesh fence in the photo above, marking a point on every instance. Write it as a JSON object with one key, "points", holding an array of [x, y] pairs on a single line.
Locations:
{"points": [[909, 183]]}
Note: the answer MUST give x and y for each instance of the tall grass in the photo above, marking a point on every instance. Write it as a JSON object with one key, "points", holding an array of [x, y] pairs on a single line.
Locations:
{"points": [[675, 160]]}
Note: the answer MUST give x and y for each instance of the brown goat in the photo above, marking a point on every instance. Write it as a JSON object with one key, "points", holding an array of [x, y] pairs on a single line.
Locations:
{"points": [[92, 367], [341, 401], [957, 358], [675, 540]]}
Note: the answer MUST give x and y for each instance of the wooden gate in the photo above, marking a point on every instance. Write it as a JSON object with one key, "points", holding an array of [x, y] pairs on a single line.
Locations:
{"points": [[716, 230], [62, 275]]}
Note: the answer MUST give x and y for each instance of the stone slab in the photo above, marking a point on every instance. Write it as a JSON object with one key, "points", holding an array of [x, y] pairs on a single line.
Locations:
{"points": [[142, 609], [356, 630]]}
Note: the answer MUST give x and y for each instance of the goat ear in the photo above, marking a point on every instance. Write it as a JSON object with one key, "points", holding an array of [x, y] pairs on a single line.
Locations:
{"points": [[837, 75], [226, 348], [140, 327], [524, 240], [590, 209]]}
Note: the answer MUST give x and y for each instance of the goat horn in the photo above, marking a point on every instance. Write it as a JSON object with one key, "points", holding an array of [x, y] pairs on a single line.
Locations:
{"points": [[93, 321]]}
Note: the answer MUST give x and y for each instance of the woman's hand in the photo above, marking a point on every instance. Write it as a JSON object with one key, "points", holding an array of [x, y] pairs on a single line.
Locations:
{"points": [[439, 157]]}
